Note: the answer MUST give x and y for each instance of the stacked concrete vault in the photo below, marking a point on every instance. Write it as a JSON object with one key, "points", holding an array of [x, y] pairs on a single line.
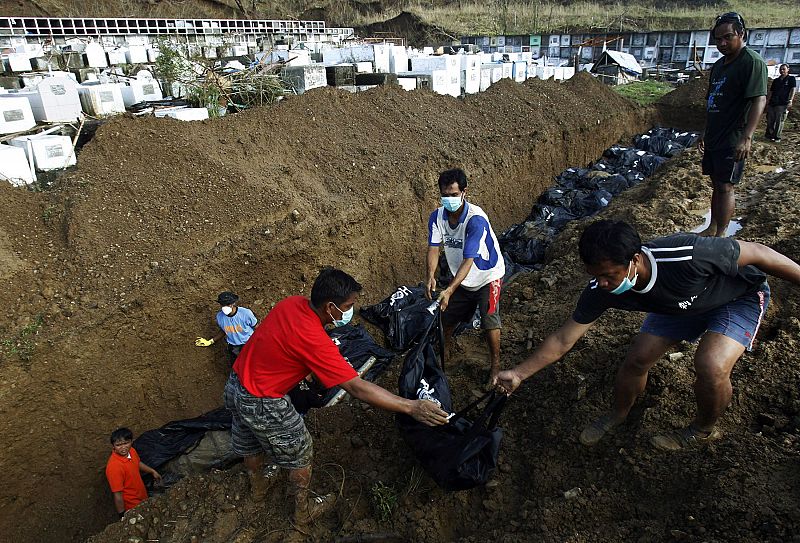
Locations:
{"points": [[33, 28], [678, 49]]}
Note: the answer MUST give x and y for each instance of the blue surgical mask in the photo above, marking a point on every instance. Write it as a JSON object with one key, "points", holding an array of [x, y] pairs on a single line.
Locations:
{"points": [[626, 283], [346, 316], [452, 203]]}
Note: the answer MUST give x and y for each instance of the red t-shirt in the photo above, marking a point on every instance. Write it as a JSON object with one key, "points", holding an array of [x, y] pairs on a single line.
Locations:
{"points": [[123, 476], [288, 345]]}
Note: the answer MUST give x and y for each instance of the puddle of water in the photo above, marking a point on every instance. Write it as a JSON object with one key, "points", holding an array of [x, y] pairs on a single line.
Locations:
{"points": [[733, 226], [764, 168]]}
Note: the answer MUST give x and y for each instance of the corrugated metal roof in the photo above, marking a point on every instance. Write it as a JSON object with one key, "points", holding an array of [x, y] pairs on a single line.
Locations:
{"points": [[625, 60]]}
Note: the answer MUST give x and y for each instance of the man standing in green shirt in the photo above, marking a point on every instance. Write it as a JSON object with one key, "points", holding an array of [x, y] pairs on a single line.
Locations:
{"points": [[736, 96]]}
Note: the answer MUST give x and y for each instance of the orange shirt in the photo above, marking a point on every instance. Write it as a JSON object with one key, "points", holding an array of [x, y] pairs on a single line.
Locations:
{"points": [[123, 476]]}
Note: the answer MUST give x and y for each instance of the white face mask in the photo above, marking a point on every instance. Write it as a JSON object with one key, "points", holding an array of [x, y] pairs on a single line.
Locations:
{"points": [[226, 309]]}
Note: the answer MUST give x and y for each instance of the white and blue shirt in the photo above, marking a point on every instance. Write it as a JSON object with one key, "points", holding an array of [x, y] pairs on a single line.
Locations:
{"points": [[239, 327], [472, 237]]}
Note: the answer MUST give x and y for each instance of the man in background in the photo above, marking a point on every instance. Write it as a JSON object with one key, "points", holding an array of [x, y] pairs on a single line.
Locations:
{"points": [[236, 325], [779, 102], [735, 101], [123, 472]]}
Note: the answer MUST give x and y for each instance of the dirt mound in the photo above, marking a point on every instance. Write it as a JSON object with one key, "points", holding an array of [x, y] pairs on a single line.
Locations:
{"points": [[549, 487], [118, 265], [685, 107], [410, 26], [343, 13]]}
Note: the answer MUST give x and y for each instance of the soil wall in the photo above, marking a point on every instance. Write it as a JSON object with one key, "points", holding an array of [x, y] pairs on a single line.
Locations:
{"points": [[112, 274]]}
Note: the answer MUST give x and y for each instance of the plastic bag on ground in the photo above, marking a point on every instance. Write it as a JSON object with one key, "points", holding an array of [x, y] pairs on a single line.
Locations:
{"points": [[381, 313], [649, 163], [571, 178], [526, 251], [556, 196], [659, 145], [593, 202], [553, 216], [357, 345], [615, 184], [157, 447]]}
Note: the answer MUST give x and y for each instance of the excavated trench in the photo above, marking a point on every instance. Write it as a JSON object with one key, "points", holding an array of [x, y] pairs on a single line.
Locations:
{"points": [[113, 272], [548, 487]]}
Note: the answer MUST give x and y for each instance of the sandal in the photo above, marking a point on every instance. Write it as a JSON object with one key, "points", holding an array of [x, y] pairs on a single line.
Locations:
{"points": [[595, 431], [689, 437]]}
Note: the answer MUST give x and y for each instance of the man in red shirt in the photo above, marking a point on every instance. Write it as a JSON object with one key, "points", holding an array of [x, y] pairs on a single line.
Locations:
{"points": [[290, 344], [122, 472]]}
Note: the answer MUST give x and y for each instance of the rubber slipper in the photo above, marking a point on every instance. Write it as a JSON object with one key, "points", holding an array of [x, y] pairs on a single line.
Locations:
{"points": [[687, 438], [595, 431]]}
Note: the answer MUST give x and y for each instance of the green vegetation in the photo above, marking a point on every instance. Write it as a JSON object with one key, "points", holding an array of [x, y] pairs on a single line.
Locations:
{"points": [[414, 480], [21, 345], [542, 17], [205, 85], [456, 17], [646, 92], [384, 500], [48, 213]]}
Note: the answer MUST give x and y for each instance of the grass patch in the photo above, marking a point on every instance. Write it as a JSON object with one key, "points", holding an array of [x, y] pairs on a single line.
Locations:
{"points": [[509, 17], [644, 93], [21, 345], [458, 17], [384, 500]]}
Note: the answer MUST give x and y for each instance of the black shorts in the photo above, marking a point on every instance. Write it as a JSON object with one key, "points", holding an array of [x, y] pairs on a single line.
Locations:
{"points": [[720, 165], [463, 302], [233, 352]]}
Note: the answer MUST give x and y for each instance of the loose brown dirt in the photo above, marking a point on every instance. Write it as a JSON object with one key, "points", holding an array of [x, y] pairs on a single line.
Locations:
{"points": [[685, 106], [410, 26], [122, 260]]}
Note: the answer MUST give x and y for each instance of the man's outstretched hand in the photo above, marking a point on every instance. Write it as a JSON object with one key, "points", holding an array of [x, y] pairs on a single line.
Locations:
{"points": [[508, 381]]}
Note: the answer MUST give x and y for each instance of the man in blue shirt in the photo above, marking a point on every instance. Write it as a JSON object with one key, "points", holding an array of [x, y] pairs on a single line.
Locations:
{"points": [[473, 256], [236, 325]]}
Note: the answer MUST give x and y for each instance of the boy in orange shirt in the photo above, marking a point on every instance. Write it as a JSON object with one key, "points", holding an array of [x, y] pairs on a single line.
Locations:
{"points": [[122, 472]]}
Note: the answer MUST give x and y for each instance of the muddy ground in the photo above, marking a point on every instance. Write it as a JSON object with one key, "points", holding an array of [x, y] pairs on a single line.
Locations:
{"points": [[112, 273]]}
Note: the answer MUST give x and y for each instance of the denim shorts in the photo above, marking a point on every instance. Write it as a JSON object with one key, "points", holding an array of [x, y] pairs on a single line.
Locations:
{"points": [[269, 425], [738, 320]]}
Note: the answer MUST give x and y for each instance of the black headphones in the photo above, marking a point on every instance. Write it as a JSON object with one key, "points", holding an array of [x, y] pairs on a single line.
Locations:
{"points": [[730, 17]]}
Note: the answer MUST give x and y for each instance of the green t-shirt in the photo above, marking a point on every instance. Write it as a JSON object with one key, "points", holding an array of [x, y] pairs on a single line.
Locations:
{"points": [[730, 90]]}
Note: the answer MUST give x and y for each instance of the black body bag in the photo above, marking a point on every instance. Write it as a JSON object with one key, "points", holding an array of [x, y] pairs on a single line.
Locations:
{"points": [[462, 454], [157, 447], [357, 346]]}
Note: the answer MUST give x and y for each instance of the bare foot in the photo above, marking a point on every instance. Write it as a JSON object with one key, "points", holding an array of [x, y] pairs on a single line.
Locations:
{"points": [[709, 232]]}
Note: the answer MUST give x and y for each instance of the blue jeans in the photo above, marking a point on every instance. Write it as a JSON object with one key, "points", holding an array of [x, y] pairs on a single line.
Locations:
{"points": [[738, 320]]}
